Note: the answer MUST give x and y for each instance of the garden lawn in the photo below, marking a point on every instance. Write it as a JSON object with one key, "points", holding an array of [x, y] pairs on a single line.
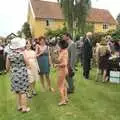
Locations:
{"points": [[91, 101]]}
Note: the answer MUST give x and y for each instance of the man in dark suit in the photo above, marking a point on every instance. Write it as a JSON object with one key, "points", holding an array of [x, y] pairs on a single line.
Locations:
{"points": [[87, 55]]}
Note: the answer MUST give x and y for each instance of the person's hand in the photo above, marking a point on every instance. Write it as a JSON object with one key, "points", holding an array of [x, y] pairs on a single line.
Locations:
{"points": [[29, 67], [71, 72], [51, 65], [7, 71], [56, 65]]}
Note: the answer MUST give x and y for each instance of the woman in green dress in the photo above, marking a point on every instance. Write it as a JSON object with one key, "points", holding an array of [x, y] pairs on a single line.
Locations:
{"points": [[43, 57]]}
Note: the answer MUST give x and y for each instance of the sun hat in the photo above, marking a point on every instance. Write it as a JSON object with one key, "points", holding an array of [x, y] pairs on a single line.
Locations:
{"points": [[17, 43]]}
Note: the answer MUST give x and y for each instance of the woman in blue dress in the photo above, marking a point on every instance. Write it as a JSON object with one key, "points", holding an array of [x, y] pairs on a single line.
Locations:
{"points": [[43, 57]]}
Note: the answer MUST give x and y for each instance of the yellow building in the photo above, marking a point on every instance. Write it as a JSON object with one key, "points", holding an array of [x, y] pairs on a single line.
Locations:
{"points": [[43, 15], [102, 20]]}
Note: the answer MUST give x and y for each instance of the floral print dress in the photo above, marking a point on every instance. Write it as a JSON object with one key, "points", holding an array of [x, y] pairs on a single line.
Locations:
{"points": [[19, 75]]}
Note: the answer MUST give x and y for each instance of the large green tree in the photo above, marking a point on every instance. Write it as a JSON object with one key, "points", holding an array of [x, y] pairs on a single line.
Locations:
{"points": [[75, 13], [26, 30], [81, 13], [68, 11], [118, 18]]}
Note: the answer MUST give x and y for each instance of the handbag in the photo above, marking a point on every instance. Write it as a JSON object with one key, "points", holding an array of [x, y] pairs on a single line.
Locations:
{"points": [[115, 76]]}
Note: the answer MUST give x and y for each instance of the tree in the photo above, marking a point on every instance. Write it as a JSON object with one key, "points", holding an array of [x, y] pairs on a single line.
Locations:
{"points": [[26, 30], [67, 8], [118, 18], [81, 13], [19, 33], [75, 13]]}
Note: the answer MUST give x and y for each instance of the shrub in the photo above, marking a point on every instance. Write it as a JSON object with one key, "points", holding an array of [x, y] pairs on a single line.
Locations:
{"points": [[116, 34], [55, 33], [97, 37]]}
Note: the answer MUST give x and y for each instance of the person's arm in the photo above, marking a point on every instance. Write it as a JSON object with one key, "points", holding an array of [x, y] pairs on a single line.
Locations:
{"points": [[97, 54], [7, 64], [26, 60], [63, 60], [50, 59], [63, 64], [73, 56], [37, 50], [91, 51], [36, 62]]}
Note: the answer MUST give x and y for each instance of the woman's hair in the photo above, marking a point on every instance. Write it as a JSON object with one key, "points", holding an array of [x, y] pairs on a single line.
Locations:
{"points": [[68, 35], [116, 46], [28, 41], [41, 38], [63, 44], [36, 40]]}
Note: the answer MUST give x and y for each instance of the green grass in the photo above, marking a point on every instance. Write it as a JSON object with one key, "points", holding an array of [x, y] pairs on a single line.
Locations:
{"points": [[91, 101]]}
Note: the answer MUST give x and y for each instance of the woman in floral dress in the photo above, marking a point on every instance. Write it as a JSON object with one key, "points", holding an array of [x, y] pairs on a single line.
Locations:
{"points": [[16, 63]]}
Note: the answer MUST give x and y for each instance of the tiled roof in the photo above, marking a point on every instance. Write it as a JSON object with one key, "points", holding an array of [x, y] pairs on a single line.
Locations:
{"points": [[100, 16], [45, 10]]}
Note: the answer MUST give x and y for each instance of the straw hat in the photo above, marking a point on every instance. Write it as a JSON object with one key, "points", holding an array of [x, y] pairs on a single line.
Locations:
{"points": [[17, 43]]}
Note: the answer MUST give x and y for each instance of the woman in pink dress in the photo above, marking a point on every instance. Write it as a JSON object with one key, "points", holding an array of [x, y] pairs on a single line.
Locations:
{"points": [[32, 68], [63, 71]]}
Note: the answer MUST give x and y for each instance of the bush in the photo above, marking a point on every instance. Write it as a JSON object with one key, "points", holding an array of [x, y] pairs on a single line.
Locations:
{"points": [[116, 34], [55, 33], [97, 37]]}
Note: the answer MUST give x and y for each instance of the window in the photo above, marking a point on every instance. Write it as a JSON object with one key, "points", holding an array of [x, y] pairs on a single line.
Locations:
{"points": [[105, 26], [47, 22]]}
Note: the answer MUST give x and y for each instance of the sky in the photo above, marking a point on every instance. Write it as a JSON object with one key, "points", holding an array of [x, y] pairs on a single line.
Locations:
{"points": [[13, 13]]}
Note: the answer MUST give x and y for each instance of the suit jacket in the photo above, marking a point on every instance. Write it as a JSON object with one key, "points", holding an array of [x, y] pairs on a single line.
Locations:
{"points": [[72, 54], [87, 49]]}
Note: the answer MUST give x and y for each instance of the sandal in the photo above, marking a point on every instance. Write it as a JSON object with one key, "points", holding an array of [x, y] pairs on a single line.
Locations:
{"points": [[67, 100], [34, 93], [62, 103], [29, 96], [52, 89], [26, 110], [19, 108]]}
